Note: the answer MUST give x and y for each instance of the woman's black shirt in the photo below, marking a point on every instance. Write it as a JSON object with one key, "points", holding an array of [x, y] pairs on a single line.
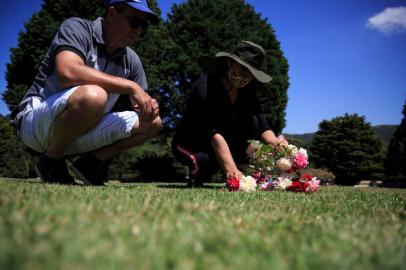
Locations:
{"points": [[209, 111]]}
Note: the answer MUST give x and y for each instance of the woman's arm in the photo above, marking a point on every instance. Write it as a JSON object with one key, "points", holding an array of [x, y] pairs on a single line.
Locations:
{"points": [[269, 137], [224, 157]]}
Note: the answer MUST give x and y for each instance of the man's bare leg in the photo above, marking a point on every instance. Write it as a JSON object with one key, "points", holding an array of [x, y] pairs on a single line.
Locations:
{"points": [[142, 131], [84, 111]]}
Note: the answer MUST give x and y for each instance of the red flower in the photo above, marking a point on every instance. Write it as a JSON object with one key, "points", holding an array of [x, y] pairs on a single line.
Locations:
{"points": [[258, 177], [233, 184], [298, 186], [306, 177]]}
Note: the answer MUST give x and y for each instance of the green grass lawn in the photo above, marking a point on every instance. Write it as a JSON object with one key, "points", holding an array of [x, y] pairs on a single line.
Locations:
{"points": [[161, 226]]}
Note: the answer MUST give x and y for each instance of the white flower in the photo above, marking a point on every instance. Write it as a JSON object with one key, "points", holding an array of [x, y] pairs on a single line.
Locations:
{"points": [[283, 183], [248, 184], [284, 164], [303, 151], [292, 149]]}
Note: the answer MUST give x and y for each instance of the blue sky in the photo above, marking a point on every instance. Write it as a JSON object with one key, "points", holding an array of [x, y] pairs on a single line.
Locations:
{"points": [[345, 56]]}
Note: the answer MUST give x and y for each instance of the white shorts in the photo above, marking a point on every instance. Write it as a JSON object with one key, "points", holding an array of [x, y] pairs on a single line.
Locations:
{"points": [[37, 125]]}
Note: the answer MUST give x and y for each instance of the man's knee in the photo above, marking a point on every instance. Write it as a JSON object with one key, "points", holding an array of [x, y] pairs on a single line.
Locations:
{"points": [[90, 98], [149, 129], [156, 125]]}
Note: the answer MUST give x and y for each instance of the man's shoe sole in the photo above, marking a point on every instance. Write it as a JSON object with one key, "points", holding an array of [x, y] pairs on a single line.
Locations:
{"points": [[81, 175], [39, 174]]}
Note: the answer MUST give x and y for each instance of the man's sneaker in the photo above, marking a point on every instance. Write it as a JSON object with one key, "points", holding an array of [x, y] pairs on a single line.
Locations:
{"points": [[52, 170], [90, 170]]}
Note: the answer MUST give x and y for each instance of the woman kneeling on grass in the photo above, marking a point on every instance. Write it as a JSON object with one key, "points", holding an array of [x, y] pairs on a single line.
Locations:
{"points": [[222, 113]]}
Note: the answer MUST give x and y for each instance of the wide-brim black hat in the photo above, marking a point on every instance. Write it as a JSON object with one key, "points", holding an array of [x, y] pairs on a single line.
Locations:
{"points": [[246, 53]]}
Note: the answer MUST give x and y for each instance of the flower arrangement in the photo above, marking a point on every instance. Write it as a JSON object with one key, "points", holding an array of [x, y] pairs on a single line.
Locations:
{"points": [[276, 168], [246, 184]]}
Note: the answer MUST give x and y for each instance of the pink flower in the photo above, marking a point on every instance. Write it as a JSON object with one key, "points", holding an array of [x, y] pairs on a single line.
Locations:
{"points": [[314, 185], [266, 186], [300, 161]]}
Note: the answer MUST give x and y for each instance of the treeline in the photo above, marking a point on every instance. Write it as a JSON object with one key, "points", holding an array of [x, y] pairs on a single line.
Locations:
{"points": [[382, 132], [345, 148], [169, 54]]}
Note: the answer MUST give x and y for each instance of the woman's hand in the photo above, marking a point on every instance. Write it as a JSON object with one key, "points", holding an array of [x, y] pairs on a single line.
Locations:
{"points": [[269, 138], [282, 140], [234, 174]]}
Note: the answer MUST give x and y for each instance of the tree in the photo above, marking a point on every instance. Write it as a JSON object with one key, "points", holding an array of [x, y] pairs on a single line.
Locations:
{"points": [[36, 39], [395, 162], [348, 147], [14, 161], [168, 52], [41, 28], [205, 27]]}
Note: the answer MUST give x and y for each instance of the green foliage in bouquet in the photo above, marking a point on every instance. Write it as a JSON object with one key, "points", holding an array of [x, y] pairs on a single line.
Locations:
{"points": [[263, 158]]}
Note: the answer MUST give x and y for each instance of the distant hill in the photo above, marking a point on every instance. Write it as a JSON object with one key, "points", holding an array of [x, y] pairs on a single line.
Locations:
{"points": [[383, 132]]}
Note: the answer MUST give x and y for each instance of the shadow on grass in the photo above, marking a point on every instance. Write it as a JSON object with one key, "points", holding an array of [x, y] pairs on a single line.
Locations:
{"points": [[183, 186], [28, 180], [115, 184]]}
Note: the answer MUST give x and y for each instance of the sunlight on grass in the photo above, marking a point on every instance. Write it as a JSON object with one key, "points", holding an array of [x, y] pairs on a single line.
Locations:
{"points": [[167, 226]]}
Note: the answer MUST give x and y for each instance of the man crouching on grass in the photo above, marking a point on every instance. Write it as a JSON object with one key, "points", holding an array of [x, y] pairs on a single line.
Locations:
{"points": [[67, 110]]}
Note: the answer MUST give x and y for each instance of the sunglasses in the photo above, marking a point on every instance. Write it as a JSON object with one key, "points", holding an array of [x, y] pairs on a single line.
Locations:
{"points": [[134, 21]]}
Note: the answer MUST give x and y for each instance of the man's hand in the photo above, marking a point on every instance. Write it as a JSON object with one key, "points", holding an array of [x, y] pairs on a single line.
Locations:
{"points": [[144, 105]]}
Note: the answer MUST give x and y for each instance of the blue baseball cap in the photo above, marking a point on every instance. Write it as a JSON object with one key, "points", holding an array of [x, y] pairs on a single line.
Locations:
{"points": [[140, 5]]}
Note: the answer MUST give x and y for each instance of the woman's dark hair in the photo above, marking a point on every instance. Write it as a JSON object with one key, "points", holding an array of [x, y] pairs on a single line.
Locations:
{"points": [[221, 68]]}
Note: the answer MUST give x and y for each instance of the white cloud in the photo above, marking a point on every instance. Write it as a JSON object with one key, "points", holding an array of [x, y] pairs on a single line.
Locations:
{"points": [[391, 20]]}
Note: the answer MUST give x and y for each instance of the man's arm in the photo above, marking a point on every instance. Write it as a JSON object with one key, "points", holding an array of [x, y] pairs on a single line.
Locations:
{"points": [[71, 71]]}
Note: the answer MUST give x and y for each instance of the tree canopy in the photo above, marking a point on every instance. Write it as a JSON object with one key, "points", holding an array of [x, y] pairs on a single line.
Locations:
{"points": [[169, 51], [395, 162], [204, 27], [348, 147], [169, 54]]}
